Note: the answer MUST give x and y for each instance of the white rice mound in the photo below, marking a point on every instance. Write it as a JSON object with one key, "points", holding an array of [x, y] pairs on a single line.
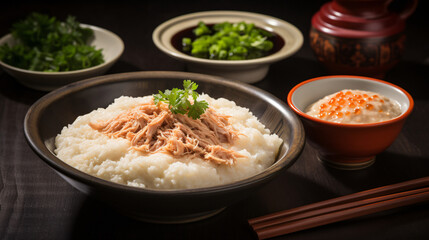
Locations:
{"points": [[113, 159]]}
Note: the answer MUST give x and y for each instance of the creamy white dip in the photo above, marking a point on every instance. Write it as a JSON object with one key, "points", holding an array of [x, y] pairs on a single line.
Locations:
{"points": [[355, 107]]}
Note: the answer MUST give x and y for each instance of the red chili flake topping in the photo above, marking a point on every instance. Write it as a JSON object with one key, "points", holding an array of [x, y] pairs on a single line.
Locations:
{"points": [[357, 111], [355, 101], [340, 94]]}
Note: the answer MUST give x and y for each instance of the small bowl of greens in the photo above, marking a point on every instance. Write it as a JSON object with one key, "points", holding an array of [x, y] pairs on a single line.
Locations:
{"points": [[239, 46], [44, 53]]}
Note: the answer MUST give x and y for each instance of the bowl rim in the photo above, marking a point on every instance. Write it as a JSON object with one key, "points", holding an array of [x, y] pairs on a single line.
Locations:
{"points": [[121, 46], [38, 146], [285, 51], [403, 116]]}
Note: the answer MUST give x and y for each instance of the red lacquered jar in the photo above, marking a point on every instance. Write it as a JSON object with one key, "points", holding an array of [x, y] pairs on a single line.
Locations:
{"points": [[359, 37]]}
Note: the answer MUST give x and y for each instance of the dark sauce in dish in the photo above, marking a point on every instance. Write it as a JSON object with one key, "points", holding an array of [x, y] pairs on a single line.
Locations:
{"points": [[176, 41]]}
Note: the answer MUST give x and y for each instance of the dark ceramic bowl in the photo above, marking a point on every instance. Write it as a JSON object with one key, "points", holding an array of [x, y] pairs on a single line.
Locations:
{"points": [[348, 146], [51, 113]]}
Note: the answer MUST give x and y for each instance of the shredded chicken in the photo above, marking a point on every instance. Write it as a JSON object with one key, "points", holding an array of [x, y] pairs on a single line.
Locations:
{"points": [[154, 128]]}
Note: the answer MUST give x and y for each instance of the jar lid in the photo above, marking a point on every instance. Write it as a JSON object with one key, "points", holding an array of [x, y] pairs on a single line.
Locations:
{"points": [[357, 21]]}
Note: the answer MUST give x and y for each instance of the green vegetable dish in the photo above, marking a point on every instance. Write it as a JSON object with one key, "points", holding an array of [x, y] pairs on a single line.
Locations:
{"points": [[178, 100], [228, 41], [43, 43]]}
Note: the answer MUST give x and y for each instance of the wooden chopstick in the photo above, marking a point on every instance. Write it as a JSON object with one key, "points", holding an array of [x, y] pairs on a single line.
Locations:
{"points": [[408, 185], [338, 209], [334, 208], [305, 223]]}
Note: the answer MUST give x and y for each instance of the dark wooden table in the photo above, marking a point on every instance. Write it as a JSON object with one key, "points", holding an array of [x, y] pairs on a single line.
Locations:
{"points": [[35, 203]]}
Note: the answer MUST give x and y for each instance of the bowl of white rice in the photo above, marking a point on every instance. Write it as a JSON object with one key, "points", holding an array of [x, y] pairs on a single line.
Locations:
{"points": [[185, 169]]}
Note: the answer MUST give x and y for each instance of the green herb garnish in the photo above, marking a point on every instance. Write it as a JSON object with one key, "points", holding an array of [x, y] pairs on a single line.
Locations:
{"points": [[178, 100], [44, 43], [228, 41]]}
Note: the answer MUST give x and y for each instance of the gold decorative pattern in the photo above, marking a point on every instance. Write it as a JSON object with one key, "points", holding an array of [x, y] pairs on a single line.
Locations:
{"points": [[357, 52]]}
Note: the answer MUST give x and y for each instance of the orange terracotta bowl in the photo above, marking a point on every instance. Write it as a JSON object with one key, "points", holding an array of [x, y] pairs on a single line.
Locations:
{"points": [[348, 146]]}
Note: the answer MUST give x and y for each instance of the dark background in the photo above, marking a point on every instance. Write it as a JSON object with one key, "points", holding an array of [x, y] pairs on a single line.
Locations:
{"points": [[35, 203]]}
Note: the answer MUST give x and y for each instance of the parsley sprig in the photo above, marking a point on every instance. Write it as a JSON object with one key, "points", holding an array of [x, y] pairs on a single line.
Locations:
{"points": [[178, 100]]}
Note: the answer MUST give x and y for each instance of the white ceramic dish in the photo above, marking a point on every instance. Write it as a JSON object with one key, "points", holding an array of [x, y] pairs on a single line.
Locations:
{"points": [[111, 44], [248, 71]]}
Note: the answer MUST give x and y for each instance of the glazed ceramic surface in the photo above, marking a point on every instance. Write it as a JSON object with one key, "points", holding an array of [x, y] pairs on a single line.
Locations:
{"points": [[248, 71], [47, 116], [359, 37], [348, 146], [111, 44]]}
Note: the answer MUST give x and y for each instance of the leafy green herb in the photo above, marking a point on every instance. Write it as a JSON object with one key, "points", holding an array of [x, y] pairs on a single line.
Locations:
{"points": [[228, 41], [178, 100], [44, 43]]}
